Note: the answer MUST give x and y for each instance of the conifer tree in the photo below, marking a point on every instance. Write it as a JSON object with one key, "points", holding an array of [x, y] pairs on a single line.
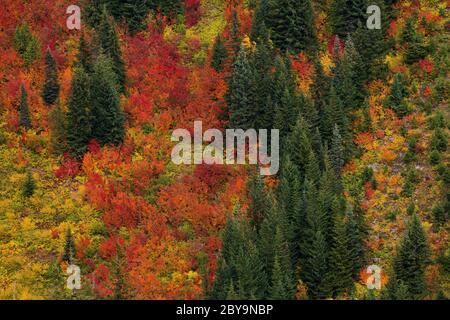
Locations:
{"points": [[50, 91], [78, 115], [69, 248], [397, 95], [108, 119], [24, 113], [345, 15], [29, 186], [337, 151], [109, 43], [219, 54], [260, 203], [241, 93], [292, 25], [411, 260], [84, 56], [356, 235], [340, 260], [57, 125]]}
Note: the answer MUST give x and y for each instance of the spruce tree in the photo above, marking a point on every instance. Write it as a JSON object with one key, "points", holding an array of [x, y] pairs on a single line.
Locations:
{"points": [[260, 203], [340, 260], [50, 91], [109, 43], [24, 113], [356, 232], [397, 95], [29, 186], [57, 125], [337, 151], [412, 258], [108, 120], [84, 56], [345, 15], [219, 54], [78, 115], [69, 248], [292, 25], [241, 93]]}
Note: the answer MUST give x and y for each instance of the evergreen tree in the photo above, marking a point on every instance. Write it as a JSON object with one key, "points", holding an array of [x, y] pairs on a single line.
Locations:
{"points": [[345, 15], [50, 90], [241, 93], [78, 115], [340, 260], [109, 43], [411, 260], [29, 186], [69, 248], [57, 125], [24, 113], [134, 13], [219, 54], [397, 95], [108, 119], [292, 25], [235, 33], [260, 203], [337, 151], [84, 56], [259, 32], [356, 234]]}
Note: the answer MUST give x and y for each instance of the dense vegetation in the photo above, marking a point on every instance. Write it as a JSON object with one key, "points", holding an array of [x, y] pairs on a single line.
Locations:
{"points": [[86, 175]]}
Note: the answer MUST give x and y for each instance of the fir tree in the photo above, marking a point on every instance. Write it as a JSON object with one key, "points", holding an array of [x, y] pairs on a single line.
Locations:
{"points": [[24, 113], [109, 43], [356, 235], [84, 56], [108, 119], [29, 186], [78, 115], [260, 203], [292, 25], [345, 15], [219, 54], [57, 125], [397, 95], [50, 90], [69, 248], [337, 151], [412, 258], [340, 260], [241, 93]]}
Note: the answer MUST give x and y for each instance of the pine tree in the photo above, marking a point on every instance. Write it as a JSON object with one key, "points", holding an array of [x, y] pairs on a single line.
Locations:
{"points": [[24, 113], [412, 258], [69, 248], [235, 33], [108, 119], [292, 25], [345, 15], [356, 234], [259, 32], [110, 45], [57, 125], [50, 91], [78, 115], [219, 54], [29, 186], [134, 13]]}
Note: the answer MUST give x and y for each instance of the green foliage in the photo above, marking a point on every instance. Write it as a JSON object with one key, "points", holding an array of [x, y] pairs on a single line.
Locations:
{"points": [[411, 260], [107, 117], [439, 140], [57, 126], [24, 112], [109, 43], [219, 54], [26, 44], [345, 16], [292, 25], [69, 248], [78, 115], [397, 95], [29, 186], [50, 91]]}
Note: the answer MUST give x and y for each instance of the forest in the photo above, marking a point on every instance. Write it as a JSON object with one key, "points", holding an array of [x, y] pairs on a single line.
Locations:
{"points": [[358, 209]]}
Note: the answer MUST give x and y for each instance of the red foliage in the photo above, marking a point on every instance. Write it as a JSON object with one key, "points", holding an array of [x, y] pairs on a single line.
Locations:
{"points": [[192, 12], [69, 168]]}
